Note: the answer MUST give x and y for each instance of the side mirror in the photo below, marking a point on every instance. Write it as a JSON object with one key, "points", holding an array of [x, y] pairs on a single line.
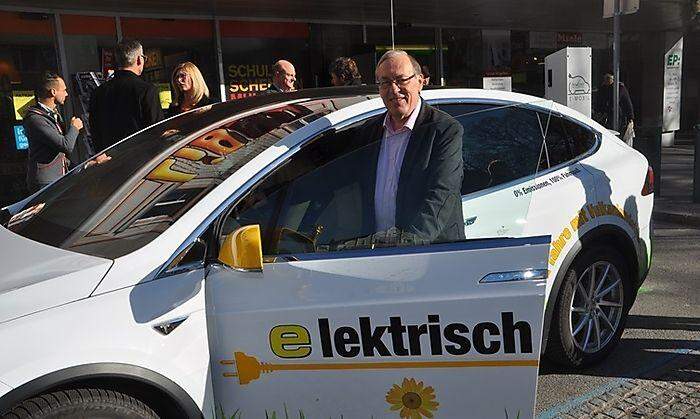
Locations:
{"points": [[242, 249]]}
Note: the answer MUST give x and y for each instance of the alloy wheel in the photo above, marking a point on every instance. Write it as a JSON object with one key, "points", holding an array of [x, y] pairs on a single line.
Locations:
{"points": [[596, 307]]}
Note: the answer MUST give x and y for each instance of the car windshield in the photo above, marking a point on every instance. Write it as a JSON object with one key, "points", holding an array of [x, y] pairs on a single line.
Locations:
{"points": [[152, 178]]}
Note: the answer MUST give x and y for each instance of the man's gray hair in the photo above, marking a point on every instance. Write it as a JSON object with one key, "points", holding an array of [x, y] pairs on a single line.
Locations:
{"points": [[396, 53], [127, 52]]}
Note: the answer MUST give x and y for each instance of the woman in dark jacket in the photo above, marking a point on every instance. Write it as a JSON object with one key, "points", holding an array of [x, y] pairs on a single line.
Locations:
{"points": [[344, 72], [190, 89]]}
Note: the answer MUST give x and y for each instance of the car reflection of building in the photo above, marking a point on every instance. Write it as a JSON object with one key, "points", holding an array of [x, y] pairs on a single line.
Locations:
{"points": [[153, 201]]}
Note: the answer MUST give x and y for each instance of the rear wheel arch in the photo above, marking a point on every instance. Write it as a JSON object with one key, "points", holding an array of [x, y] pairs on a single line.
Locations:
{"points": [[603, 235], [161, 394]]}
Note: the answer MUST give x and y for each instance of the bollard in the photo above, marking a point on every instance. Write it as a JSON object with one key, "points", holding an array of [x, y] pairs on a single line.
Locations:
{"points": [[696, 165], [649, 144]]}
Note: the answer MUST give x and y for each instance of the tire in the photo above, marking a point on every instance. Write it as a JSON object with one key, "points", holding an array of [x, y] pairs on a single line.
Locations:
{"points": [[84, 403], [575, 319]]}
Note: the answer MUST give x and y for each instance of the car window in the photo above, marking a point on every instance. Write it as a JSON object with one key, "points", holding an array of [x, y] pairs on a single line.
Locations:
{"points": [[582, 139], [322, 200], [565, 140], [500, 144], [153, 178], [557, 142]]}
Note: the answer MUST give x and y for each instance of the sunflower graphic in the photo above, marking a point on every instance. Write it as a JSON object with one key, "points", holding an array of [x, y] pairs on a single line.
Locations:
{"points": [[415, 400]]}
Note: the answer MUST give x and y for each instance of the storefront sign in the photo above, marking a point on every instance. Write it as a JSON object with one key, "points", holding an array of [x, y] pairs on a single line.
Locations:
{"points": [[498, 83], [569, 39], [22, 100], [672, 87], [247, 80], [558, 40], [164, 95], [21, 140]]}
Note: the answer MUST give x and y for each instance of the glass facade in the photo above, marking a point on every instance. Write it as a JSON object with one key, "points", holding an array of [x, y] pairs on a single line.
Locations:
{"points": [[455, 57], [27, 50]]}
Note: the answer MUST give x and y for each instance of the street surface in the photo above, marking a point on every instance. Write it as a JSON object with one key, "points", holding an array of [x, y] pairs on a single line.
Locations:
{"points": [[655, 371]]}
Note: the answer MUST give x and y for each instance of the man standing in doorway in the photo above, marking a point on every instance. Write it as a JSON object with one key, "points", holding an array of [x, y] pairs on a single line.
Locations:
{"points": [[283, 77], [50, 142], [125, 104]]}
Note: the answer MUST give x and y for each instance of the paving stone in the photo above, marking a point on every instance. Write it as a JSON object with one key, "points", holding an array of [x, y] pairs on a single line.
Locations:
{"points": [[598, 402], [614, 412]]}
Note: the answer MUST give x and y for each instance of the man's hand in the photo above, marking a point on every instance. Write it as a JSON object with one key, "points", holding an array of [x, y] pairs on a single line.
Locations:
{"points": [[102, 158], [77, 123]]}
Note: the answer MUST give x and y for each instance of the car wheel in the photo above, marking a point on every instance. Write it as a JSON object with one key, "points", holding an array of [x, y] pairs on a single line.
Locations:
{"points": [[591, 309], [82, 403]]}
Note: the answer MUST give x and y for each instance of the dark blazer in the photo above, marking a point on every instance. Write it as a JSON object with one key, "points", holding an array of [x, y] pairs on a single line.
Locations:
{"points": [[428, 198], [273, 89], [46, 142], [120, 107]]}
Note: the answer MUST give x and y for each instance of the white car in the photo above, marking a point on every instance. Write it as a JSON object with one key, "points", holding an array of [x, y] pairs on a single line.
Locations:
{"points": [[216, 265]]}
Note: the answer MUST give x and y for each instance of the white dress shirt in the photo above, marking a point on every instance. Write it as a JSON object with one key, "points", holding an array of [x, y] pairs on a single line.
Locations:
{"points": [[391, 153]]}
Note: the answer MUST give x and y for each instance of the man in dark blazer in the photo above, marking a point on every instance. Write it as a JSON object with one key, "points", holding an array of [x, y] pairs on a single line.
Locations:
{"points": [[414, 158], [125, 104], [50, 142]]}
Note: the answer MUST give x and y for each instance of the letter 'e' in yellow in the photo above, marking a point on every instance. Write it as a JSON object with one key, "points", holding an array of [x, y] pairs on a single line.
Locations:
{"points": [[290, 341]]}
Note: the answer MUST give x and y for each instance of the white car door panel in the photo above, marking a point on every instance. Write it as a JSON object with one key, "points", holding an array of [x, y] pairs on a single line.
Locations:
{"points": [[372, 333]]}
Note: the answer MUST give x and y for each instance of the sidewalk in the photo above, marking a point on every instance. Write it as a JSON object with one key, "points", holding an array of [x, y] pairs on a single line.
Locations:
{"points": [[673, 393], [675, 202]]}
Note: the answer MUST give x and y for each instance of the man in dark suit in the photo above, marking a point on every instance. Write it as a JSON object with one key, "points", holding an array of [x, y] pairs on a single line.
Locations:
{"points": [[283, 77], [125, 104], [50, 142], [415, 158]]}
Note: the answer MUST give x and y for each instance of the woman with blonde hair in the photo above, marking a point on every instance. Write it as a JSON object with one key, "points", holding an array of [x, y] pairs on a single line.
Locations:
{"points": [[190, 89]]}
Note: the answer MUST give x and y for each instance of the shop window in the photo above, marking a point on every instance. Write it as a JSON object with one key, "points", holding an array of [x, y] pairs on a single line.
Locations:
{"points": [[251, 48], [27, 51]]}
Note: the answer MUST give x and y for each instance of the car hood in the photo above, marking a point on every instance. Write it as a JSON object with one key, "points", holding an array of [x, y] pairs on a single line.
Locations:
{"points": [[36, 277]]}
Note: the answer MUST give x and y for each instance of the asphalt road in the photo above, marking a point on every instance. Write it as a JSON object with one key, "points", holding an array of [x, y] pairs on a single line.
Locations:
{"points": [[664, 324]]}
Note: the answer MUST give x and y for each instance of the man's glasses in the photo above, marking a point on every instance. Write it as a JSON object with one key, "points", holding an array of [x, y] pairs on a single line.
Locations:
{"points": [[399, 82], [145, 58]]}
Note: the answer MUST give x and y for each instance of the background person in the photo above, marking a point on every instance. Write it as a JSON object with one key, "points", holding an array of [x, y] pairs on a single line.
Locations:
{"points": [[605, 109], [49, 141], [283, 77], [124, 104], [190, 89], [426, 75], [344, 72]]}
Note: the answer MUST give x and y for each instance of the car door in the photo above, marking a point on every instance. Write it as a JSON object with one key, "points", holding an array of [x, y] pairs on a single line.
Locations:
{"points": [[345, 322]]}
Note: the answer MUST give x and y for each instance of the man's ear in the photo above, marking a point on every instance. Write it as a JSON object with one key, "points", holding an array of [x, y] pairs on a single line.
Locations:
{"points": [[420, 80]]}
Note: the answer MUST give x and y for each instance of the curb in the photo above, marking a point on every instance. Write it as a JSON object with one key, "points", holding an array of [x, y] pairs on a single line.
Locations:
{"points": [[677, 218]]}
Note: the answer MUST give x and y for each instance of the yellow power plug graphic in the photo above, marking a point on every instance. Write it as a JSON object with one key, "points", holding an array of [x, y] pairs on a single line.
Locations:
{"points": [[248, 368]]}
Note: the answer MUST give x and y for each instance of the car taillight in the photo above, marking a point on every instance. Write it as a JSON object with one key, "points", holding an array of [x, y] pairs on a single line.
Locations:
{"points": [[648, 188]]}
